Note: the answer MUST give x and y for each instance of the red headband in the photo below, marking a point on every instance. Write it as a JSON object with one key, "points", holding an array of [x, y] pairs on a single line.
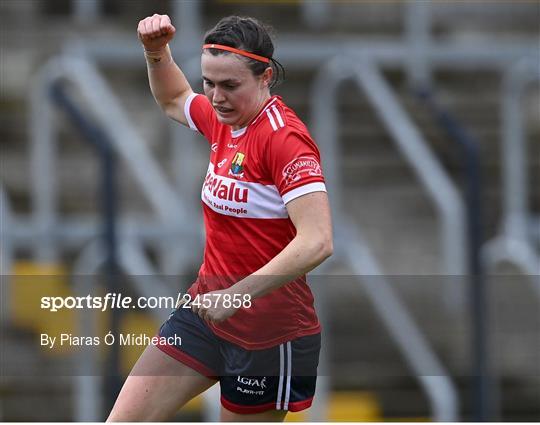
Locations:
{"points": [[237, 51]]}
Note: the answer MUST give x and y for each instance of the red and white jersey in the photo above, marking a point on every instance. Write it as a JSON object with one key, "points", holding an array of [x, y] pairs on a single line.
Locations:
{"points": [[253, 173]]}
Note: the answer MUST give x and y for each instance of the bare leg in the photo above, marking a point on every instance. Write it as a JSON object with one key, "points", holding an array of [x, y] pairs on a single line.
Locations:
{"points": [[156, 388], [269, 416]]}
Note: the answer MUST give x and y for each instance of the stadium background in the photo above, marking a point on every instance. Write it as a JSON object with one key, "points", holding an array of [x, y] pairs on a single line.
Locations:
{"points": [[421, 88]]}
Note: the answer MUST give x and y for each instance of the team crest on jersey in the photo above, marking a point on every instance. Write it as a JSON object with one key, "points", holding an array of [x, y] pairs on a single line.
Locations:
{"points": [[237, 165]]}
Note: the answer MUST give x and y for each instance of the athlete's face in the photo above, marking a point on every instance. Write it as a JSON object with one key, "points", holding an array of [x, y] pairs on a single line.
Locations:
{"points": [[234, 92]]}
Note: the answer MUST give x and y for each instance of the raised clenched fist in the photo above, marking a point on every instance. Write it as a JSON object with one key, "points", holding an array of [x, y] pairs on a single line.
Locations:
{"points": [[155, 32]]}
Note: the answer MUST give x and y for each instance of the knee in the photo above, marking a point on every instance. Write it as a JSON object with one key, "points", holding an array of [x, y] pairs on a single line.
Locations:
{"points": [[117, 416], [121, 413]]}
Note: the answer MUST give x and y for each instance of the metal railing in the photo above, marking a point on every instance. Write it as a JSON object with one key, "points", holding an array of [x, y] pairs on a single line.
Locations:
{"points": [[514, 244], [129, 146], [469, 156], [101, 144], [6, 253], [305, 52], [295, 52], [400, 324], [431, 174], [89, 398], [89, 402], [86, 12], [55, 232]]}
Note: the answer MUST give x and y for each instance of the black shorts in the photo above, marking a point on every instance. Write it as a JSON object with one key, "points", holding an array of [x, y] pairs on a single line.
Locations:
{"points": [[252, 381]]}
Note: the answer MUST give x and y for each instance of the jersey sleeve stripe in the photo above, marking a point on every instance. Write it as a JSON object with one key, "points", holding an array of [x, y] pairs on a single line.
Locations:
{"points": [[264, 110], [278, 115], [271, 118], [187, 113], [303, 190]]}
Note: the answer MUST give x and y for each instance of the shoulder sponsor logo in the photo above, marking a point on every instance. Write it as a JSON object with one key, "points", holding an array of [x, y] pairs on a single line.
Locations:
{"points": [[303, 165], [214, 147]]}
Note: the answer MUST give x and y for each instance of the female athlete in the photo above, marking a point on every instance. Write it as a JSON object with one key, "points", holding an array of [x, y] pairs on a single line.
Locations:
{"points": [[249, 322]]}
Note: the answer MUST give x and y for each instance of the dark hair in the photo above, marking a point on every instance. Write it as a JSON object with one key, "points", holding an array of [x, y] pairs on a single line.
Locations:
{"points": [[247, 34]]}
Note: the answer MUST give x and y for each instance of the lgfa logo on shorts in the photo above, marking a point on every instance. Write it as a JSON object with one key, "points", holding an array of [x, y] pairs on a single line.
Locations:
{"points": [[253, 382], [236, 165]]}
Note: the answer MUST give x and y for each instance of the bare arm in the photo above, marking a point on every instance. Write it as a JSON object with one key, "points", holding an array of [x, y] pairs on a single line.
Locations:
{"points": [[167, 82], [312, 244]]}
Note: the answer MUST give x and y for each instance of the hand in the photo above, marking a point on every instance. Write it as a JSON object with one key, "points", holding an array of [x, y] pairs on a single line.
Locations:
{"points": [[211, 306], [155, 32]]}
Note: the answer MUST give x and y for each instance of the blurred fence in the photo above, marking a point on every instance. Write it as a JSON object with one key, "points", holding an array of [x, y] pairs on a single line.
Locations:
{"points": [[417, 51]]}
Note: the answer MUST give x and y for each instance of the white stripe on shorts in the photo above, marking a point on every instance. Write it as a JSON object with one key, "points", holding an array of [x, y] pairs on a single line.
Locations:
{"points": [[281, 373], [289, 369]]}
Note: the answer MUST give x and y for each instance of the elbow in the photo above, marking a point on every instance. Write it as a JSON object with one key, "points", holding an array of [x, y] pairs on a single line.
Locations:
{"points": [[324, 248], [314, 248], [169, 108], [173, 106], [328, 249]]}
